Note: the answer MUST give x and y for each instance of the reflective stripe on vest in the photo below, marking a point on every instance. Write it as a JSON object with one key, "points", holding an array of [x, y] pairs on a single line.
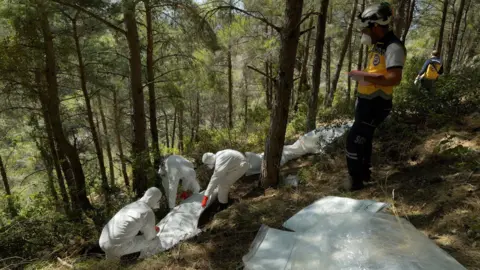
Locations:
{"points": [[376, 64]]}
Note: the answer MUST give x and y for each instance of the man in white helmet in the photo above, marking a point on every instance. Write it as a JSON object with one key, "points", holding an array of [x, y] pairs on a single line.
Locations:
{"points": [[133, 228], [174, 169], [229, 166], [375, 91]]}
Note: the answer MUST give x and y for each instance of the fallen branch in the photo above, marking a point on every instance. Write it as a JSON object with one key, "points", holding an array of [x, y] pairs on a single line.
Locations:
{"points": [[64, 263]]}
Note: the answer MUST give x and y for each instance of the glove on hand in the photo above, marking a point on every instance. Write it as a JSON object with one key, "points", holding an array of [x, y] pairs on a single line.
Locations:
{"points": [[204, 202]]}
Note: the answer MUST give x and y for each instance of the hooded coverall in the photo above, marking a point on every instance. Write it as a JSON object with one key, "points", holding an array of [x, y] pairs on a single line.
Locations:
{"points": [[120, 236], [229, 166], [176, 168]]}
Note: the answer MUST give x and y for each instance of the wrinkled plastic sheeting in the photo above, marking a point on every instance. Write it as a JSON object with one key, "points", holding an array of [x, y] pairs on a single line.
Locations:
{"points": [[313, 142], [180, 224], [311, 215], [353, 241], [254, 163]]}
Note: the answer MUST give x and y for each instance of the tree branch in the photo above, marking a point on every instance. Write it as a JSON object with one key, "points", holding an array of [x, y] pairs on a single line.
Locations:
{"points": [[96, 16], [261, 72], [307, 30], [306, 16], [260, 18]]}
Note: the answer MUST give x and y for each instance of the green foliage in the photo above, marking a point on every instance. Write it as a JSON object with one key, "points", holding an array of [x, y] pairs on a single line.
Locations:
{"points": [[41, 232], [456, 94]]}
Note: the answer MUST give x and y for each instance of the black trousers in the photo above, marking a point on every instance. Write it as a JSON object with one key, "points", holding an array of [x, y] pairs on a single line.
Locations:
{"points": [[369, 113]]}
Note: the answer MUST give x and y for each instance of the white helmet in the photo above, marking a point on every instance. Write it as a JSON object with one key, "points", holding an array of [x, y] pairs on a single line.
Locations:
{"points": [[380, 14]]}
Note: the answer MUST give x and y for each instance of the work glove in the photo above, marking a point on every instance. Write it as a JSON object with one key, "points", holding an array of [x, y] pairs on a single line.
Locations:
{"points": [[416, 81], [204, 201], [184, 195], [157, 229]]}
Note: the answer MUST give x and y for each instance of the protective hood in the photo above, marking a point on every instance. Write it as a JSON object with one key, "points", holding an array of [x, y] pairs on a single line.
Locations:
{"points": [[209, 159], [152, 197]]}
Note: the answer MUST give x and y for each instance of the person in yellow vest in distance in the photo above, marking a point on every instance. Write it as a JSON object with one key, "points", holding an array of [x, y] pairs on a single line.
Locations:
{"points": [[430, 72], [374, 98]]}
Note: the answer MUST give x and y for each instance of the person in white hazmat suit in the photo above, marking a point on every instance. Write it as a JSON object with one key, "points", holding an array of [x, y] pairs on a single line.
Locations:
{"points": [[174, 169], [229, 166], [121, 234]]}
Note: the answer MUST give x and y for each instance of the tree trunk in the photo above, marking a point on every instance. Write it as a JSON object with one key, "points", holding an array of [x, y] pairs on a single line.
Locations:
{"points": [[245, 103], [167, 138], [119, 139], [107, 142], [180, 129], [349, 81], [411, 9], [317, 67], [152, 101], [303, 75], [346, 42], [268, 81], [451, 49], [6, 185], [48, 163], [54, 112], [174, 126], [86, 96], [289, 37], [328, 61], [140, 159], [464, 30], [51, 141], [399, 18], [442, 25], [230, 89], [197, 116]]}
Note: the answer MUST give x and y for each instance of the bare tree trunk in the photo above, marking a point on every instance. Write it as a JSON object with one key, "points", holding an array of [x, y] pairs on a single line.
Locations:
{"points": [[399, 18], [51, 141], [86, 96], [230, 89], [107, 142], [6, 185], [349, 81], [464, 30], [303, 75], [167, 138], [245, 102], [442, 25], [268, 81], [411, 9], [346, 42], [54, 112], [152, 101], [328, 61], [180, 129], [317, 67], [48, 163], [289, 37], [197, 116], [119, 139], [451, 49], [140, 163], [174, 126]]}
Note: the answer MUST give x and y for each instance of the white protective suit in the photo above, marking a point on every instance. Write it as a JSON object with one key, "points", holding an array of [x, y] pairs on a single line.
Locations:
{"points": [[176, 168], [229, 165], [120, 236]]}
